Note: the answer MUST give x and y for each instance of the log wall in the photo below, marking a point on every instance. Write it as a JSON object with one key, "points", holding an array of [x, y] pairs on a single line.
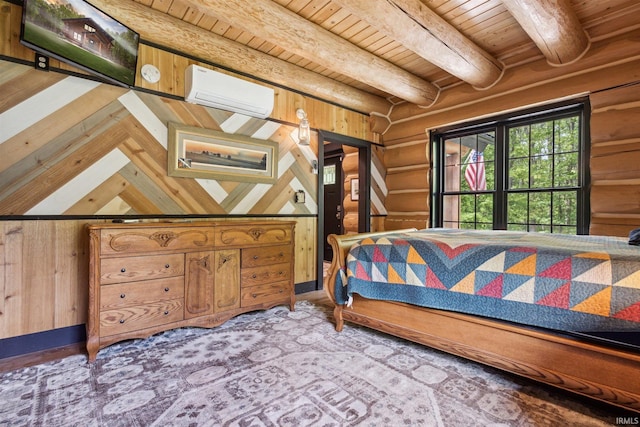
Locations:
{"points": [[609, 73], [615, 160], [378, 189], [408, 171]]}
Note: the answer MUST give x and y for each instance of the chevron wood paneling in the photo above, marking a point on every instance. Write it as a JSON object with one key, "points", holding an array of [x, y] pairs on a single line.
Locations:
{"points": [[79, 147], [73, 146]]}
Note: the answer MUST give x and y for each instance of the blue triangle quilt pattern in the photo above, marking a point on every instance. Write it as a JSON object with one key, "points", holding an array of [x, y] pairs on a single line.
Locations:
{"points": [[572, 283]]}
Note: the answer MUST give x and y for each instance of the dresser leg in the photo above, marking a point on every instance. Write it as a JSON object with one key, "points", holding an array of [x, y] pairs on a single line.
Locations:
{"points": [[93, 345]]}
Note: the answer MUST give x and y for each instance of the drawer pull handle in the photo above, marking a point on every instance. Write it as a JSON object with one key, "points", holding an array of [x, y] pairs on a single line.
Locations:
{"points": [[254, 295], [255, 257], [122, 270], [281, 291], [166, 289], [166, 312], [281, 255], [254, 276], [121, 320], [122, 295], [281, 273], [166, 266]]}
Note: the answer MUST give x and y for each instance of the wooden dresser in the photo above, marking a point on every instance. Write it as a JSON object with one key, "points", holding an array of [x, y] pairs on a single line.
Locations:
{"points": [[145, 278]]}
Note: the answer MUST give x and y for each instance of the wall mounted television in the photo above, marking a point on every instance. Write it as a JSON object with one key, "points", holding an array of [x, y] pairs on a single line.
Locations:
{"points": [[79, 34]]}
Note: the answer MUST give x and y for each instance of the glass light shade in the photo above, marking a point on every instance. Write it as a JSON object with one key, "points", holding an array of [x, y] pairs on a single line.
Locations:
{"points": [[304, 132]]}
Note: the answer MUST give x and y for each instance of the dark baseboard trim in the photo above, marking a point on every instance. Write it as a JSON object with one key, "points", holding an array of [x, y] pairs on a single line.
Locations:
{"points": [[40, 341], [72, 336], [44, 356], [304, 287]]}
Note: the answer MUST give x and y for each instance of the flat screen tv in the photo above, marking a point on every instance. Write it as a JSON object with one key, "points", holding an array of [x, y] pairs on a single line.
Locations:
{"points": [[75, 32]]}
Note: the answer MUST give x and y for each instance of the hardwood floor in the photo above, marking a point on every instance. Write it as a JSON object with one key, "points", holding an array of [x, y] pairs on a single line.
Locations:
{"points": [[317, 297], [36, 358]]}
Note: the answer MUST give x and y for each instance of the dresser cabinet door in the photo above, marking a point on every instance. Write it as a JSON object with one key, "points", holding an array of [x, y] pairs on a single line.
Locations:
{"points": [[227, 280], [199, 280]]}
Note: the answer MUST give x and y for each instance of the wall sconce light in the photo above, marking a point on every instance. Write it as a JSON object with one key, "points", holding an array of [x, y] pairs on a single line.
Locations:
{"points": [[304, 131]]}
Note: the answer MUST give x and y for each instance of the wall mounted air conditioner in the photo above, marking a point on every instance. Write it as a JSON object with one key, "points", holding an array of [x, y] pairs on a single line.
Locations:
{"points": [[213, 89]]}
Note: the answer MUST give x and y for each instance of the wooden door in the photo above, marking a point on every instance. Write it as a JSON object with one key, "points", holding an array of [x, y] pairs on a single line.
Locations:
{"points": [[333, 195], [227, 280], [199, 281]]}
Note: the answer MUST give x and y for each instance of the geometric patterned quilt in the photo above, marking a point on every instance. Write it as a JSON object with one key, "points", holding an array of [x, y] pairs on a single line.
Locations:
{"points": [[563, 282]]}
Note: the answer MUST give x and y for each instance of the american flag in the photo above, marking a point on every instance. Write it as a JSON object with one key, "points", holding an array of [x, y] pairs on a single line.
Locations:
{"points": [[475, 171]]}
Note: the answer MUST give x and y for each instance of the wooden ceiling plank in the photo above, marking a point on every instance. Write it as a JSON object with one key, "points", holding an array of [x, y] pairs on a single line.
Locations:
{"points": [[270, 21], [179, 10], [192, 16], [424, 32], [326, 12], [333, 22], [367, 37], [219, 27], [206, 22], [233, 33], [312, 8], [553, 26], [161, 5], [293, 5]]}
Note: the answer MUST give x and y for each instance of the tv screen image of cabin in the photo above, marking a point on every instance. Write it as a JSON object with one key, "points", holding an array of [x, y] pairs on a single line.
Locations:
{"points": [[79, 34]]}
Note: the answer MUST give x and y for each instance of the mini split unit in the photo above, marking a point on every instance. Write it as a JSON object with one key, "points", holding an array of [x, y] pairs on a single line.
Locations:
{"points": [[213, 89]]}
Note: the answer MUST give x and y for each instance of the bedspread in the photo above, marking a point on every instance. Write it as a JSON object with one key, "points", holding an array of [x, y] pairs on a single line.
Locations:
{"points": [[563, 282]]}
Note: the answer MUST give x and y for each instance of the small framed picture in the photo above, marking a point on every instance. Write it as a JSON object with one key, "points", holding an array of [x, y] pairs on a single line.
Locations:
{"points": [[204, 153], [354, 189]]}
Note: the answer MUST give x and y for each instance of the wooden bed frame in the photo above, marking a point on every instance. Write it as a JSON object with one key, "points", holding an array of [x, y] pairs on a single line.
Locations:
{"points": [[604, 373]]}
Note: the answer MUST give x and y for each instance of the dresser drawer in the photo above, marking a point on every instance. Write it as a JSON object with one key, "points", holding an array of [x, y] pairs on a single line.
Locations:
{"points": [[266, 293], [265, 274], [144, 292], [254, 257], [233, 235], [130, 269], [125, 241], [127, 319]]}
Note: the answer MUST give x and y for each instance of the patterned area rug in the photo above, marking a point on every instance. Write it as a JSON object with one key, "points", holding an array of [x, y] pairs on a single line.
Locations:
{"points": [[280, 368]]}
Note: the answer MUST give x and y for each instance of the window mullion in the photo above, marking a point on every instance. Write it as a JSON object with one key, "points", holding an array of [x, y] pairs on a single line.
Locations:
{"points": [[500, 196]]}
